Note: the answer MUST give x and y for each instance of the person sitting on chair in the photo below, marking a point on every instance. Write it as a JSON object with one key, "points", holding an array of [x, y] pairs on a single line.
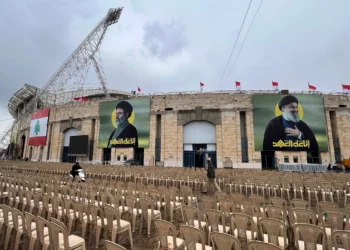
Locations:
{"points": [[75, 171]]}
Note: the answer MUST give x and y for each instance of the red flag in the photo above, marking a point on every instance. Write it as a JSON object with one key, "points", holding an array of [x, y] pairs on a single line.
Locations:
{"points": [[275, 84], [312, 87], [238, 84], [201, 84], [81, 98], [346, 88], [138, 89]]}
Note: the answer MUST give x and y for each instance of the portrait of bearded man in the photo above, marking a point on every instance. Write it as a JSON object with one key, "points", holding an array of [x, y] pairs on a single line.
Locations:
{"points": [[289, 127], [125, 130]]}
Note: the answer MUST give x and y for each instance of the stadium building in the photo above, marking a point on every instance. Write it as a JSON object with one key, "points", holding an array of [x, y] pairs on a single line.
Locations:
{"points": [[239, 129]]}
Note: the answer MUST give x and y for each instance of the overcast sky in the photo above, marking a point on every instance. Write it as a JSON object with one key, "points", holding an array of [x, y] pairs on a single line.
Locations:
{"points": [[164, 46]]}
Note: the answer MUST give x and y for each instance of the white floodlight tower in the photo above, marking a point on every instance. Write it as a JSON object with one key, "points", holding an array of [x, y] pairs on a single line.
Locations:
{"points": [[74, 70]]}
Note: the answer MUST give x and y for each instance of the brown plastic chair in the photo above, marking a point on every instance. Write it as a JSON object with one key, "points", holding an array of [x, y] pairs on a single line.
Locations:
{"points": [[259, 245], [310, 235], [113, 246], [82, 216], [332, 221], [132, 210], [172, 204], [31, 229], [70, 213], [167, 235], [216, 222], [274, 231], [237, 198], [43, 229], [193, 217], [8, 222], [296, 203], [221, 241], [19, 226], [118, 202], [341, 239], [252, 210], [191, 236], [148, 213], [243, 226], [299, 215], [187, 194], [227, 207], [326, 206], [276, 212], [97, 218], [115, 224], [208, 202], [61, 238], [278, 202]]}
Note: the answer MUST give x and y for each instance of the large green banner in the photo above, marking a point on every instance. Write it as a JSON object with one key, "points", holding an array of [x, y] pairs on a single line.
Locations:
{"points": [[14, 133], [289, 122], [125, 123]]}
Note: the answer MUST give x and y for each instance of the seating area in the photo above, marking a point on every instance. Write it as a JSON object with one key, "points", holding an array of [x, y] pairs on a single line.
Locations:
{"points": [[163, 208]]}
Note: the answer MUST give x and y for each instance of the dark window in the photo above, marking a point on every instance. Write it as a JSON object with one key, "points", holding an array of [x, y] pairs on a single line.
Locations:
{"points": [[158, 137], [286, 159], [295, 159], [244, 139], [118, 157], [125, 157]]}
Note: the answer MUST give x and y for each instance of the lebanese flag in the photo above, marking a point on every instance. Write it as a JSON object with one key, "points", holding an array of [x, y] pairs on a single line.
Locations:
{"points": [[38, 128], [346, 88], [275, 85], [138, 89], [238, 85], [312, 87], [201, 84]]}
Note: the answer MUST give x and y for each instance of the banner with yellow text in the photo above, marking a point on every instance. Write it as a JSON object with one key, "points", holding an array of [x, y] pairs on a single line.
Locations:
{"points": [[125, 123], [289, 123]]}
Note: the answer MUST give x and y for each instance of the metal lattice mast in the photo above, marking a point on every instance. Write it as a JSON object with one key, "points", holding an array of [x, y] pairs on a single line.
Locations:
{"points": [[77, 65], [75, 69], [5, 137]]}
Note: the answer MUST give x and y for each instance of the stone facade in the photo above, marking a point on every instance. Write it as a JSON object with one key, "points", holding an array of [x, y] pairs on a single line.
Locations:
{"points": [[221, 109]]}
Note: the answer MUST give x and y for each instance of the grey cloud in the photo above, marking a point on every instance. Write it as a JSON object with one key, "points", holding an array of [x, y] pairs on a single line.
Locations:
{"points": [[164, 40], [36, 40]]}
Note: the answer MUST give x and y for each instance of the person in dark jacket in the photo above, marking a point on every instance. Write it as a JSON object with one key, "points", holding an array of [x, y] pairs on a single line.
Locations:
{"points": [[75, 171], [125, 131], [289, 127], [211, 181]]}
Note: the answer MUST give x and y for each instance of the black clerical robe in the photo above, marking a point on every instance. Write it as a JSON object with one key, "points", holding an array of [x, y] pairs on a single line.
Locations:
{"points": [[274, 132], [128, 138]]}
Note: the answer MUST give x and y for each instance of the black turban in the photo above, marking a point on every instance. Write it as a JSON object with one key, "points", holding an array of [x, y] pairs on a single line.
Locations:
{"points": [[286, 100], [124, 105]]}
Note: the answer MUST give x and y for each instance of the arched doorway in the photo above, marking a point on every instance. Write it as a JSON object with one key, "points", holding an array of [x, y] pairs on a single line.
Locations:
{"points": [[67, 134], [23, 141], [199, 139]]}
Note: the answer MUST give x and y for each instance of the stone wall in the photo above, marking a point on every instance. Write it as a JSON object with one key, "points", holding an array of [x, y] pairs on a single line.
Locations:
{"points": [[221, 109]]}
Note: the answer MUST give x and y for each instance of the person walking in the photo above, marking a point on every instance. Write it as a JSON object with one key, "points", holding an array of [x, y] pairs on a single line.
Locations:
{"points": [[211, 181]]}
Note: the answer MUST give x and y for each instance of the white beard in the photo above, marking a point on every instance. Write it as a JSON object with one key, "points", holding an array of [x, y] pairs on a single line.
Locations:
{"points": [[290, 117], [121, 121]]}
